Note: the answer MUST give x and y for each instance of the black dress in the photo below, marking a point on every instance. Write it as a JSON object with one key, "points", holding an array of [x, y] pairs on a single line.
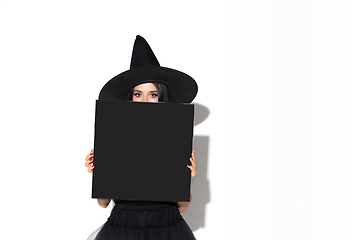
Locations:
{"points": [[144, 220]]}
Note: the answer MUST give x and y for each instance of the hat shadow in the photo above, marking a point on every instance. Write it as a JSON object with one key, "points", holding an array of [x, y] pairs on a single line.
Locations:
{"points": [[200, 187], [201, 113]]}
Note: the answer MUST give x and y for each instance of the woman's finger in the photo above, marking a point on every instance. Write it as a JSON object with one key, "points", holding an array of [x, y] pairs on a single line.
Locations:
{"points": [[193, 162], [90, 168], [87, 163], [192, 159], [89, 156], [192, 167], [193, 170]]}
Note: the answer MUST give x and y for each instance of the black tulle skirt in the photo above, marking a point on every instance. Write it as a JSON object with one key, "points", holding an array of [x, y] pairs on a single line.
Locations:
{"points": [[149, 222]]}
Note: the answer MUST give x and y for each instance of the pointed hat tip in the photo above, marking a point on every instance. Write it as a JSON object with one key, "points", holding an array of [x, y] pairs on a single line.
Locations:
{"points": [[142, 54]]}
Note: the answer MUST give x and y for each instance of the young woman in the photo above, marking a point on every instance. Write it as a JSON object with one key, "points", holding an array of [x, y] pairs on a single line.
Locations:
{"points": [[146, 81]]}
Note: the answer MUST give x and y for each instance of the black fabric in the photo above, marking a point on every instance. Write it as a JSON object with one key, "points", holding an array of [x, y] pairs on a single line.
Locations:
{"points": [[142, 203], [149, 221]]}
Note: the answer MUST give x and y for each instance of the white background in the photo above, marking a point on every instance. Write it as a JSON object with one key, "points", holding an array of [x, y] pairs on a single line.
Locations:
{"points": [[280, 80]]}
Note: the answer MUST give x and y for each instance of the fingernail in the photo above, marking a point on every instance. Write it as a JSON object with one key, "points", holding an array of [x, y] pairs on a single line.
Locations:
{"points": [[91, 154]]}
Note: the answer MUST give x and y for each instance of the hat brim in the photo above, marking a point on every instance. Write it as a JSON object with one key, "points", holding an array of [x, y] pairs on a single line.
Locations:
{"points": [[182, 87]]}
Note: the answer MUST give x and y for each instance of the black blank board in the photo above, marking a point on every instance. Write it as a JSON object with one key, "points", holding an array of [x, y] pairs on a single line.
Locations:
{"points": [[142, 150]]}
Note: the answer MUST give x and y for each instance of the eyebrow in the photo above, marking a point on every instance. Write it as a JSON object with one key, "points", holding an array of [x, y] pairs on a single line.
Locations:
{"points": [[141, 91]]}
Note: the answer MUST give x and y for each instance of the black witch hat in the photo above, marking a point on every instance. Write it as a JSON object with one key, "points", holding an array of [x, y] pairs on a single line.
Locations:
{"points": [[145, 68]]}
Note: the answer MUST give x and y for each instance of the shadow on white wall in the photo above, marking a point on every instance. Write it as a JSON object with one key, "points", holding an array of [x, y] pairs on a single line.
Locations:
{"points": [[200, 187]]}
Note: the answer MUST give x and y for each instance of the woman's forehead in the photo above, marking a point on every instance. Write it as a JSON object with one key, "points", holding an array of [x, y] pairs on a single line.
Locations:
{"points": [[145, 87]]}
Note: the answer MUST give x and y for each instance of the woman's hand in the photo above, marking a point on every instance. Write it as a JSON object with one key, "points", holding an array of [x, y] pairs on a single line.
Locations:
{"points": [[193, 164], [89, 164], [89, 161], [182, 206]]}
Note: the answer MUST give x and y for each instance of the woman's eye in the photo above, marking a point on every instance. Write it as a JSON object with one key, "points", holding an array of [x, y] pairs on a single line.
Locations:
{"points": [[137, 94], [153, 95]]}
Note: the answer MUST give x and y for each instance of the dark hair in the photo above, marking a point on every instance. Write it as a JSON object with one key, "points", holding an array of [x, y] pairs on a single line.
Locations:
{"points": [[162, 89]]}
